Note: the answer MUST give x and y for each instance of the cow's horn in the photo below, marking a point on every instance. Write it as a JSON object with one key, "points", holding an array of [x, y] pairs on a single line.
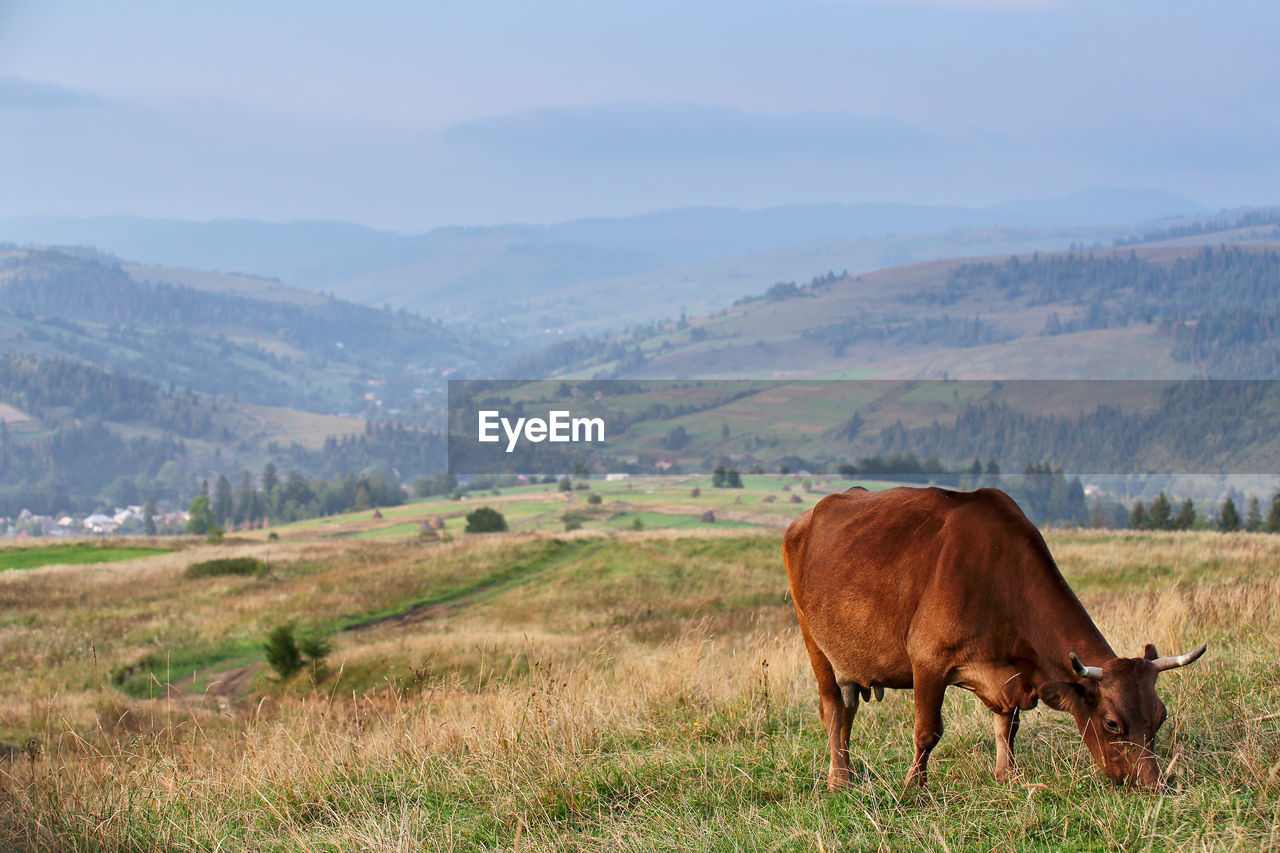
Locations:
{"points": [[1161, 664], [1093, 672]]}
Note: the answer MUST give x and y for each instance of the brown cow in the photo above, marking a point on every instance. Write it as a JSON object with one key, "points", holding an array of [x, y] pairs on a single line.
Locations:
{"points": [[926, 588]]}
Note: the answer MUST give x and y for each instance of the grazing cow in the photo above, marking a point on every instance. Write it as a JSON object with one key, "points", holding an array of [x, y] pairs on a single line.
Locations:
{"points": [[926, 588]]}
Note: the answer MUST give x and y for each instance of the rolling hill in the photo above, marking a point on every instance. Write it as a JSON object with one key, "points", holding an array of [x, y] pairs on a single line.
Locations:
{"points": [[75, 437], [122, 382], [593, 275], [232, 336], [1153, 312]]}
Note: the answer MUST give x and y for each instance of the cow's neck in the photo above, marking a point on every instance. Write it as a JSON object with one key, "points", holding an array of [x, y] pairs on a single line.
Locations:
{"points": [[1061, 625]]}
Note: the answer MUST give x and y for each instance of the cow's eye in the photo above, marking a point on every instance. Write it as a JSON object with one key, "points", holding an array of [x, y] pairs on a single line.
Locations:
{"points": [[1111, 725]]}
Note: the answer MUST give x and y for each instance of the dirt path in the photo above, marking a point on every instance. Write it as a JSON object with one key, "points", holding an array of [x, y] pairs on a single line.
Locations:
{"points": [[416, 614], [223, 689], [522, 573]]}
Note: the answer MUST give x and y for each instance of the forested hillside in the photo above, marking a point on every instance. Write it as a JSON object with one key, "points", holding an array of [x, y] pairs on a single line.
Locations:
{"points": [[76, 437], [1220, 307], [1174, 312], [331, 356]]}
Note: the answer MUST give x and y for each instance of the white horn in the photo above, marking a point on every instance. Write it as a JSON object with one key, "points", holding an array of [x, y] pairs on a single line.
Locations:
{"points": [[1161, 664], [1090, 672]]}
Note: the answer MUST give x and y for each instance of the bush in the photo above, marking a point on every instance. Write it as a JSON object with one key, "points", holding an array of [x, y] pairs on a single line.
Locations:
{"points": [[316, 647], [594, 499], [273, 537], [485, 520], [287, 653], [227, 566], [214, 535], [282, 650]]}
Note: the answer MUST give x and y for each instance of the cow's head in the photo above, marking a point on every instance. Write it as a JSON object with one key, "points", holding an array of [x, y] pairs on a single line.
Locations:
{"points": [[1118, 712]]}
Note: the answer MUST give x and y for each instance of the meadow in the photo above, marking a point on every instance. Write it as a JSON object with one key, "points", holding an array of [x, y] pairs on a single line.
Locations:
{"points": [[587, 690], [73, 552]]}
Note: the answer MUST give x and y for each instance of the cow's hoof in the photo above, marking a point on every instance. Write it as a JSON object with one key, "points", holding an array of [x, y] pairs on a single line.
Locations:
{"points": [[915, 779]]}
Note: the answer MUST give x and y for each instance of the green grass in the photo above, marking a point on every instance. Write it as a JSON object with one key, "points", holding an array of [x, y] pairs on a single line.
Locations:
{"points": [[394, 531], [151, 676], [616, 692], [51, 555], [667, 521], [545, 557]]}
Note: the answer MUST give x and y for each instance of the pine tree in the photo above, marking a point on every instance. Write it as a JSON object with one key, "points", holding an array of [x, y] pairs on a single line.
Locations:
{"points": [[269, 479], [149, 517], [718, 477], [223, 504], [244, 499], [1253, 516], [1186, 516], [1160, 515], [1229, 518], [1272, 524], [1138, 518], [733, 479]]}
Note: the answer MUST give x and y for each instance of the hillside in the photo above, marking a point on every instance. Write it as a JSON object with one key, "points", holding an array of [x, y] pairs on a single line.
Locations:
{"points": [[587, 691], [1031, 437], [597, 274], [75, 437], [1155, 312], [234, 337]]}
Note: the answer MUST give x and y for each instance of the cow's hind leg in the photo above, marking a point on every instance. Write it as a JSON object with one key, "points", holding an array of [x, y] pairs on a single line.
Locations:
{"points": [[835, 714], [929, 690], [850, 694], [1006, 729]]}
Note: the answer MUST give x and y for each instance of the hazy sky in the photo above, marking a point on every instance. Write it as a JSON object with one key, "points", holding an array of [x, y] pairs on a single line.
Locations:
{"points": [[408, 115]]}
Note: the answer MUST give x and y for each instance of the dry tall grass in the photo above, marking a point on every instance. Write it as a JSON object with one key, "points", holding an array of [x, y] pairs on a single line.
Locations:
{"points": [[636, 692]]}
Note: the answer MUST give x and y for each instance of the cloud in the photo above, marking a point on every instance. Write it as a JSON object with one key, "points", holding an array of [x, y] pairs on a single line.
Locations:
{"points": [[657, 132], [17, 93]]}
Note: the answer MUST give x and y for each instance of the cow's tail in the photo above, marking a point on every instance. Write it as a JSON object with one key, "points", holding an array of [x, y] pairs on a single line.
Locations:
{"points": [[794, 545]]}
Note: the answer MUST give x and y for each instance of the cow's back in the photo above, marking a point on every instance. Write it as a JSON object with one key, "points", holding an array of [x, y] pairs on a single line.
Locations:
{"points": [[867, 569]]}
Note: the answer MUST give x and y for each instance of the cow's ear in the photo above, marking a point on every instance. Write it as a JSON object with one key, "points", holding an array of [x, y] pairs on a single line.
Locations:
{"points": [[1150, 652], [1075, 697]]}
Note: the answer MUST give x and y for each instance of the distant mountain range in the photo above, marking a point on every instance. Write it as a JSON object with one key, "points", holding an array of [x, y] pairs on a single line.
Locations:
{"points": [[534, 280], [236, 370]]}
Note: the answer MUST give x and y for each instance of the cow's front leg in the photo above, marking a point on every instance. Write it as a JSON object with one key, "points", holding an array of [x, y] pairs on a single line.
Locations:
{"points": [[929, 691], [1006, 729]]}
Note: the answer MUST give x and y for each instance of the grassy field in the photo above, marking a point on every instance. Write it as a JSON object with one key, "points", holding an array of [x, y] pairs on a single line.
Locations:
{"points": [[664, 502], [754, 421], [591, 690], [71, 553]]}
